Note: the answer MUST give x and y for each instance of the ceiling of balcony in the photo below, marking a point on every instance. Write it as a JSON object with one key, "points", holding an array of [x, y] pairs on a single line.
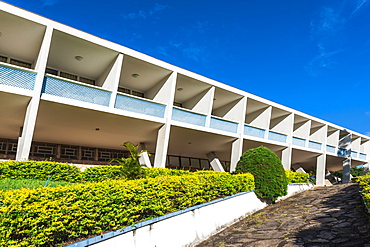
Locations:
{"points": [[20, 39], [187, 88], [148, 75], [12, 112], [64, 48]]}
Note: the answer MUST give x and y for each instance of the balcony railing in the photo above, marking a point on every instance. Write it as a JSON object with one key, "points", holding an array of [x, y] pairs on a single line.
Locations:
{"points": [[222, 124], [273, 136], [143, 106], [188, 117], [354, 154], [330, 149], [314, 145], [76, 91], [17, 78], [253, 131], [299, 142], [363, 156]]}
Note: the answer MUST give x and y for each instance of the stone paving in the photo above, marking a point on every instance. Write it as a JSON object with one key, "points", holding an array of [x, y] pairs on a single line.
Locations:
{"points": [[323, 216]]}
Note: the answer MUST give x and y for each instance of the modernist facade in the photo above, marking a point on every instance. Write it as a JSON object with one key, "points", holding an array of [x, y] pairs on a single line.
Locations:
{"points": [[70, 95]]}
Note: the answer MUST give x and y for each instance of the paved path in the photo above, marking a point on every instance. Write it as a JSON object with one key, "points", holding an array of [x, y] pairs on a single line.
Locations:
{"points": [[323, 216]]}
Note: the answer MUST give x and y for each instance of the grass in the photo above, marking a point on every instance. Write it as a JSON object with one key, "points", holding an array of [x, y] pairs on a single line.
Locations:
{"points": [[7, 184]]}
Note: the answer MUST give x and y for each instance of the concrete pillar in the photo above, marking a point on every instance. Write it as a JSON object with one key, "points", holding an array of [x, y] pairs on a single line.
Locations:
{"points": [[236, 153], [215, 162], [320, 169], [163, 139], [286, 158], [144, 156], [346, 171], [25, 140]]}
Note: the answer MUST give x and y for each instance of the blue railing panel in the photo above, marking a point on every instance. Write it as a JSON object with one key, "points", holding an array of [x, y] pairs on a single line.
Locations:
{"points": [[74, 91], [128, 103], [314, 145], [224, 125], [354, 154], [17, 78], [188, 117], [330, 149], [252, 131], [342, 152], [299, 142], [363, 156], [273, 136]]}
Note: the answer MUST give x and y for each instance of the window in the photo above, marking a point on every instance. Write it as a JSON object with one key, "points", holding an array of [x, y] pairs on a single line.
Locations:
{"points": [[68, 76], [51, 71], [124, 90], [139, 94], [3, 59], [86, 80], [20, 63], [177, 104]]}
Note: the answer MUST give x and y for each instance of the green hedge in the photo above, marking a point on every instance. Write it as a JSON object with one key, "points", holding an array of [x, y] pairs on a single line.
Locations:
{"points": [[297, 177], [39, 170], [48, 216], [364, 182]]}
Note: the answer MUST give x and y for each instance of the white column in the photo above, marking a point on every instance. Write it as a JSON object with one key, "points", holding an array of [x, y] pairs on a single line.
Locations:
{"points": [[215, 162], [112, 80], [237, 145], [286, 157], [346, 171], [25, 140], [320, 169], [163, 136]]}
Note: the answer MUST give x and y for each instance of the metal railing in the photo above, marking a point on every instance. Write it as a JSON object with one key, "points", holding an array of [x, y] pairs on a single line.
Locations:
{"points": [[17, 78], [273, 136], [76, 91], [138, 105], [188, 117], [330, 149], [314, 145], [222, 124], [253, 131], [298, 141]]}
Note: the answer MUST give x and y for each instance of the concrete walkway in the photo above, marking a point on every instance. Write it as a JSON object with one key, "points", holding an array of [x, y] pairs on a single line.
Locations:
{"points": [[323, 216]]}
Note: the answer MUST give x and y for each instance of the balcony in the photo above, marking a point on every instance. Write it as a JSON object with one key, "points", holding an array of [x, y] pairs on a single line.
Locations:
{"points": [[17, 78], [74, 90], [299, 142], [354, 154], [330, 149], [253, 131], [189, 117], [273, 136], [139, 105], [363, 156], [222, 124], [314, 145]]}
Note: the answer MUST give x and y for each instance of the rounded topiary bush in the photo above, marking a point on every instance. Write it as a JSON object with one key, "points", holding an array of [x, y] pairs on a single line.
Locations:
{"points": [[269, 174]]}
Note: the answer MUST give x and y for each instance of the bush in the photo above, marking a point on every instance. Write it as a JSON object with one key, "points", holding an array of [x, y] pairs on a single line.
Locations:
{"points": [[39, 170], [14, 184], [101, 173], [268, 172], [48, 216], [155, 172], [297, 177], [364, 182]]}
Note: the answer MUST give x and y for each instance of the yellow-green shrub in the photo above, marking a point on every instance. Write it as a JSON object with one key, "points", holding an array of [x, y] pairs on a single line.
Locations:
{"points": [[297, 177], [364, 182], [35, 217], [155, 172], [101, 173], [39, 170]]}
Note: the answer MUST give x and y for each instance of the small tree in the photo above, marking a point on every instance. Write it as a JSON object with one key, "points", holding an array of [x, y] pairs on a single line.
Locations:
{"points": [[131, 166], [269, 174]]}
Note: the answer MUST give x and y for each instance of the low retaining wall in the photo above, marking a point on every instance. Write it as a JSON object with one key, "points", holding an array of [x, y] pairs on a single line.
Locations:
{"points": [[186, 227]]}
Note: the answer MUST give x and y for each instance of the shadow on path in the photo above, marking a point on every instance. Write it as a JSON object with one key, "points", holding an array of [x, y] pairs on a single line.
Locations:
{"points": [[323, 216]]}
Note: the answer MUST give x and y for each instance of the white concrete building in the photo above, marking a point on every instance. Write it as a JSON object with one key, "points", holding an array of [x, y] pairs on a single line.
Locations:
{"points": [[72, 96]]}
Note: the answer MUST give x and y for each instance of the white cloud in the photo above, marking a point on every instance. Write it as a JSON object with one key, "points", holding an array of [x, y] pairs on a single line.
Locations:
{"points": [[360, 4], [48, 3], [322, 61], [144, 14]]}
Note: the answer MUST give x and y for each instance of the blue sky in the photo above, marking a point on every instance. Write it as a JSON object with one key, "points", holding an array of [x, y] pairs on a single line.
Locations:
{"points": [[310, 55]]}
